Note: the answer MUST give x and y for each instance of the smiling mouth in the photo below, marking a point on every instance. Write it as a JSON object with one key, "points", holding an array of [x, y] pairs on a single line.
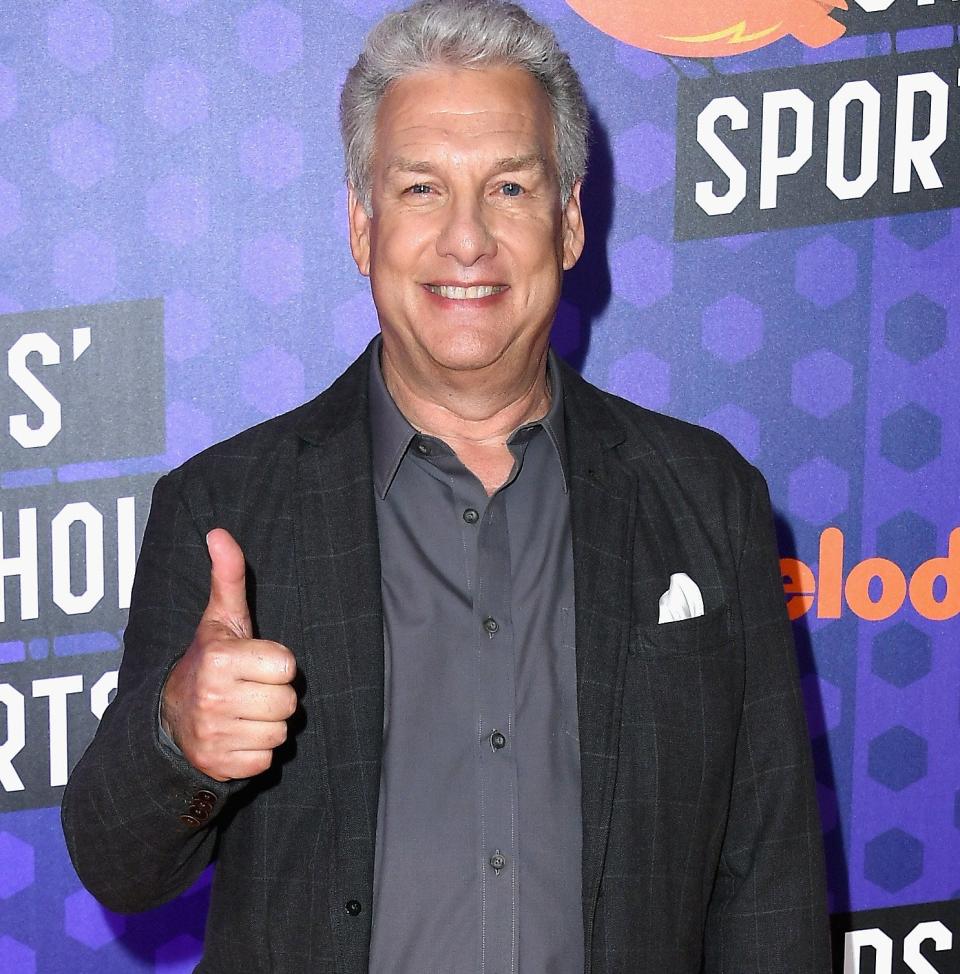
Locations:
{"points": [[465, 293]]}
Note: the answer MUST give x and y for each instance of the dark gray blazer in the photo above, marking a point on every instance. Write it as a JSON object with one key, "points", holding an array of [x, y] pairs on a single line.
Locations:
{"points": [[701, 842]]}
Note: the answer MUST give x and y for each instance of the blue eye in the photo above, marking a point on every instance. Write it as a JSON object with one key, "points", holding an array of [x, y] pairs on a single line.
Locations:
{"points": [[419, 189], [512, 189]]}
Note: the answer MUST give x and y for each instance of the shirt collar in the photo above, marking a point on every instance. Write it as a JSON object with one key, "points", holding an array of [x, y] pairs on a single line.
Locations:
{"points": [[392, 432]]}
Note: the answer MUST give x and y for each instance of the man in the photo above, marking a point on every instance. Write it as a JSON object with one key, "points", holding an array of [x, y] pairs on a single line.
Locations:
{"points": [[465, 665]]}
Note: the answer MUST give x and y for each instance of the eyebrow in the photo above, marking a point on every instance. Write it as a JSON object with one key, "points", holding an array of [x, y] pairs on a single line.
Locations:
{"points": [[531, 161], [525, 163]]}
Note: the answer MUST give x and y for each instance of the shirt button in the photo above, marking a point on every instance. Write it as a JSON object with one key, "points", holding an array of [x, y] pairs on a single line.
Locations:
{"points": [[353, 908], [471, 516], [423, 448], [491, 625], [497, 740], [498, 861]]}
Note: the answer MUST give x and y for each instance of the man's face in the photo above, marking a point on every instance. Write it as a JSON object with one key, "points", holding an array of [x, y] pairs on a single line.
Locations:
{"points": [[468, 240]]}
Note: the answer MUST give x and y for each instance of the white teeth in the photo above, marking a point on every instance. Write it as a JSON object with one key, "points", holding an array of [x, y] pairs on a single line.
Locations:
{"points": [[464, 293]]}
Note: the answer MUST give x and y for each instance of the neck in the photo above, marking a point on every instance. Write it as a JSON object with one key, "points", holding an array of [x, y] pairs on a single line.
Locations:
{"points": [[469, 410]]}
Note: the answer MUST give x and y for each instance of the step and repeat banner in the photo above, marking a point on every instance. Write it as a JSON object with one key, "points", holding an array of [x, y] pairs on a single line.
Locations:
{"points": [[773, 252]]}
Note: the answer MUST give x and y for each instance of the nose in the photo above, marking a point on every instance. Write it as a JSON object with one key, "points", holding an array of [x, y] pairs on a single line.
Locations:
{"points": [[465, 233]]}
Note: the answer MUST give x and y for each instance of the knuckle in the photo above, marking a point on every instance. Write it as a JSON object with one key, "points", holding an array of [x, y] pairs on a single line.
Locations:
{"points": [[219, 656], [201, 758], [285, 660], [208, 701], [205, 729], [255, 763]]}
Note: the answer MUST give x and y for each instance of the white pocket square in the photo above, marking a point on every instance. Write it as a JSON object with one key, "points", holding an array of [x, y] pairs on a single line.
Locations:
{"points": [[682, 600]]}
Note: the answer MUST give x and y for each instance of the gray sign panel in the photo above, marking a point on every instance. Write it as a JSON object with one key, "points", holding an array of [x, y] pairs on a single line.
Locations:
{"points": [[874, 16], [67, 555], [66, 565], [851, 140], [82, 384]]}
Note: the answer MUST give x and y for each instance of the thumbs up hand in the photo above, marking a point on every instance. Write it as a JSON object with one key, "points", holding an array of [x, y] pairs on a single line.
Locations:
{"points": [[227, 700]]}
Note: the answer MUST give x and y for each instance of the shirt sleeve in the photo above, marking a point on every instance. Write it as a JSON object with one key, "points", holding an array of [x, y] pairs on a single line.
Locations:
{"points": [[165, 739]]}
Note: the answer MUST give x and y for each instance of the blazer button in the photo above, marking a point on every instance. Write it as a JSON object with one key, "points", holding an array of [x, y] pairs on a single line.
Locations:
{"points": [[205, 797], [353, 908], [190, 821]]}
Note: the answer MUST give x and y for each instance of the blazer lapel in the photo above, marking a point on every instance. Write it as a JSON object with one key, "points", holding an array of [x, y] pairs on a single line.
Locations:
{"points": [[603, 511], [623, 543], [338, 565]]}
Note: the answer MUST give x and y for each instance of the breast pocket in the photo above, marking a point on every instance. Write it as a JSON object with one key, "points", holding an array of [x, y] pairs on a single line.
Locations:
{"points": [[687, 637], [681, 704]]}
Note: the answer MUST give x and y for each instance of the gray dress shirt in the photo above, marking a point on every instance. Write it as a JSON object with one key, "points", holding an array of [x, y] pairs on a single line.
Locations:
{"points": [[478, 851]]}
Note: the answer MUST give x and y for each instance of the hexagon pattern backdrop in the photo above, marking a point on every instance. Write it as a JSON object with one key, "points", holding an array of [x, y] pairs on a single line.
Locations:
{"points": [[188, 150]]}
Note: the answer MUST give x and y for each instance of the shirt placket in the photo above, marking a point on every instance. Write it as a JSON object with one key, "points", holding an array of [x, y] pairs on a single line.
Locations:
{"points": [[496, 706], [485, 530], [486, 544]]}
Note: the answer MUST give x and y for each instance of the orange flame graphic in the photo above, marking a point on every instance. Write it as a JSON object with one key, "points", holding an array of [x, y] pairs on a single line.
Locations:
{"points": [[694, 28]]}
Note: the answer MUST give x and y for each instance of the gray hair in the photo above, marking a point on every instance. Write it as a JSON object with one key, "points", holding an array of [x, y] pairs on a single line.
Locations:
{"points": [[468, 34]]}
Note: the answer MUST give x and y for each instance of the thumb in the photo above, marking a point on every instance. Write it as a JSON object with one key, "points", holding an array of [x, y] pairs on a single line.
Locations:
{"points": [[228, 583]]}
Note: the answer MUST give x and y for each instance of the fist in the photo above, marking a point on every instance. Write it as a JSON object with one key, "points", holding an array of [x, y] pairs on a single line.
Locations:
{"points": [[226, 702]]}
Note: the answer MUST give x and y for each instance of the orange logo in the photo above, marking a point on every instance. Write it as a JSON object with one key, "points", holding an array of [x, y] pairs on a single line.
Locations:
{"points": [[874, 588], [712, 28]]}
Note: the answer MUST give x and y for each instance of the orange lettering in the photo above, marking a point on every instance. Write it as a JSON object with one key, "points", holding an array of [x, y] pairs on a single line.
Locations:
{"points": [[921, 585], [831, 573], [799, 586], [934, 589], [858, 589]]}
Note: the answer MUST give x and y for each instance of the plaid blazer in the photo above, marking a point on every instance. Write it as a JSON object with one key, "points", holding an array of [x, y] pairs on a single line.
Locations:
{"points": [[701, 844]]}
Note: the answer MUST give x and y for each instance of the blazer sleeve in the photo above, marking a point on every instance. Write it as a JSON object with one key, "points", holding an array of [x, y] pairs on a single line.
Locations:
{"points": [[123, 803], [768, 909]]}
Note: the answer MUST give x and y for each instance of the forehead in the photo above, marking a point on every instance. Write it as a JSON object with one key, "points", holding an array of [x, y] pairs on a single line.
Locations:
{"points": [[458, 110]]}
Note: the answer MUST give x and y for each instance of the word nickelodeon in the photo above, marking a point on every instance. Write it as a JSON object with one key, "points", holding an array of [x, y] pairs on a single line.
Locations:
{"points": [[875, 588]]}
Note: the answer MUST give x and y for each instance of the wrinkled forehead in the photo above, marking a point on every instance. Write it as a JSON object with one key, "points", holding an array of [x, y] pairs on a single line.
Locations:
{"points": [[502, 109]]}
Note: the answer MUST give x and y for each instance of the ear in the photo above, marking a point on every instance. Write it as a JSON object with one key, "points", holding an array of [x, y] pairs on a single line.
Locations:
{"points": [[359, 221], [572, 229]]}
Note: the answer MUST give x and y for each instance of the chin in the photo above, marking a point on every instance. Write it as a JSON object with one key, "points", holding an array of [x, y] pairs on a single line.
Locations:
{"points": [[461, 360], [466, 351]]}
